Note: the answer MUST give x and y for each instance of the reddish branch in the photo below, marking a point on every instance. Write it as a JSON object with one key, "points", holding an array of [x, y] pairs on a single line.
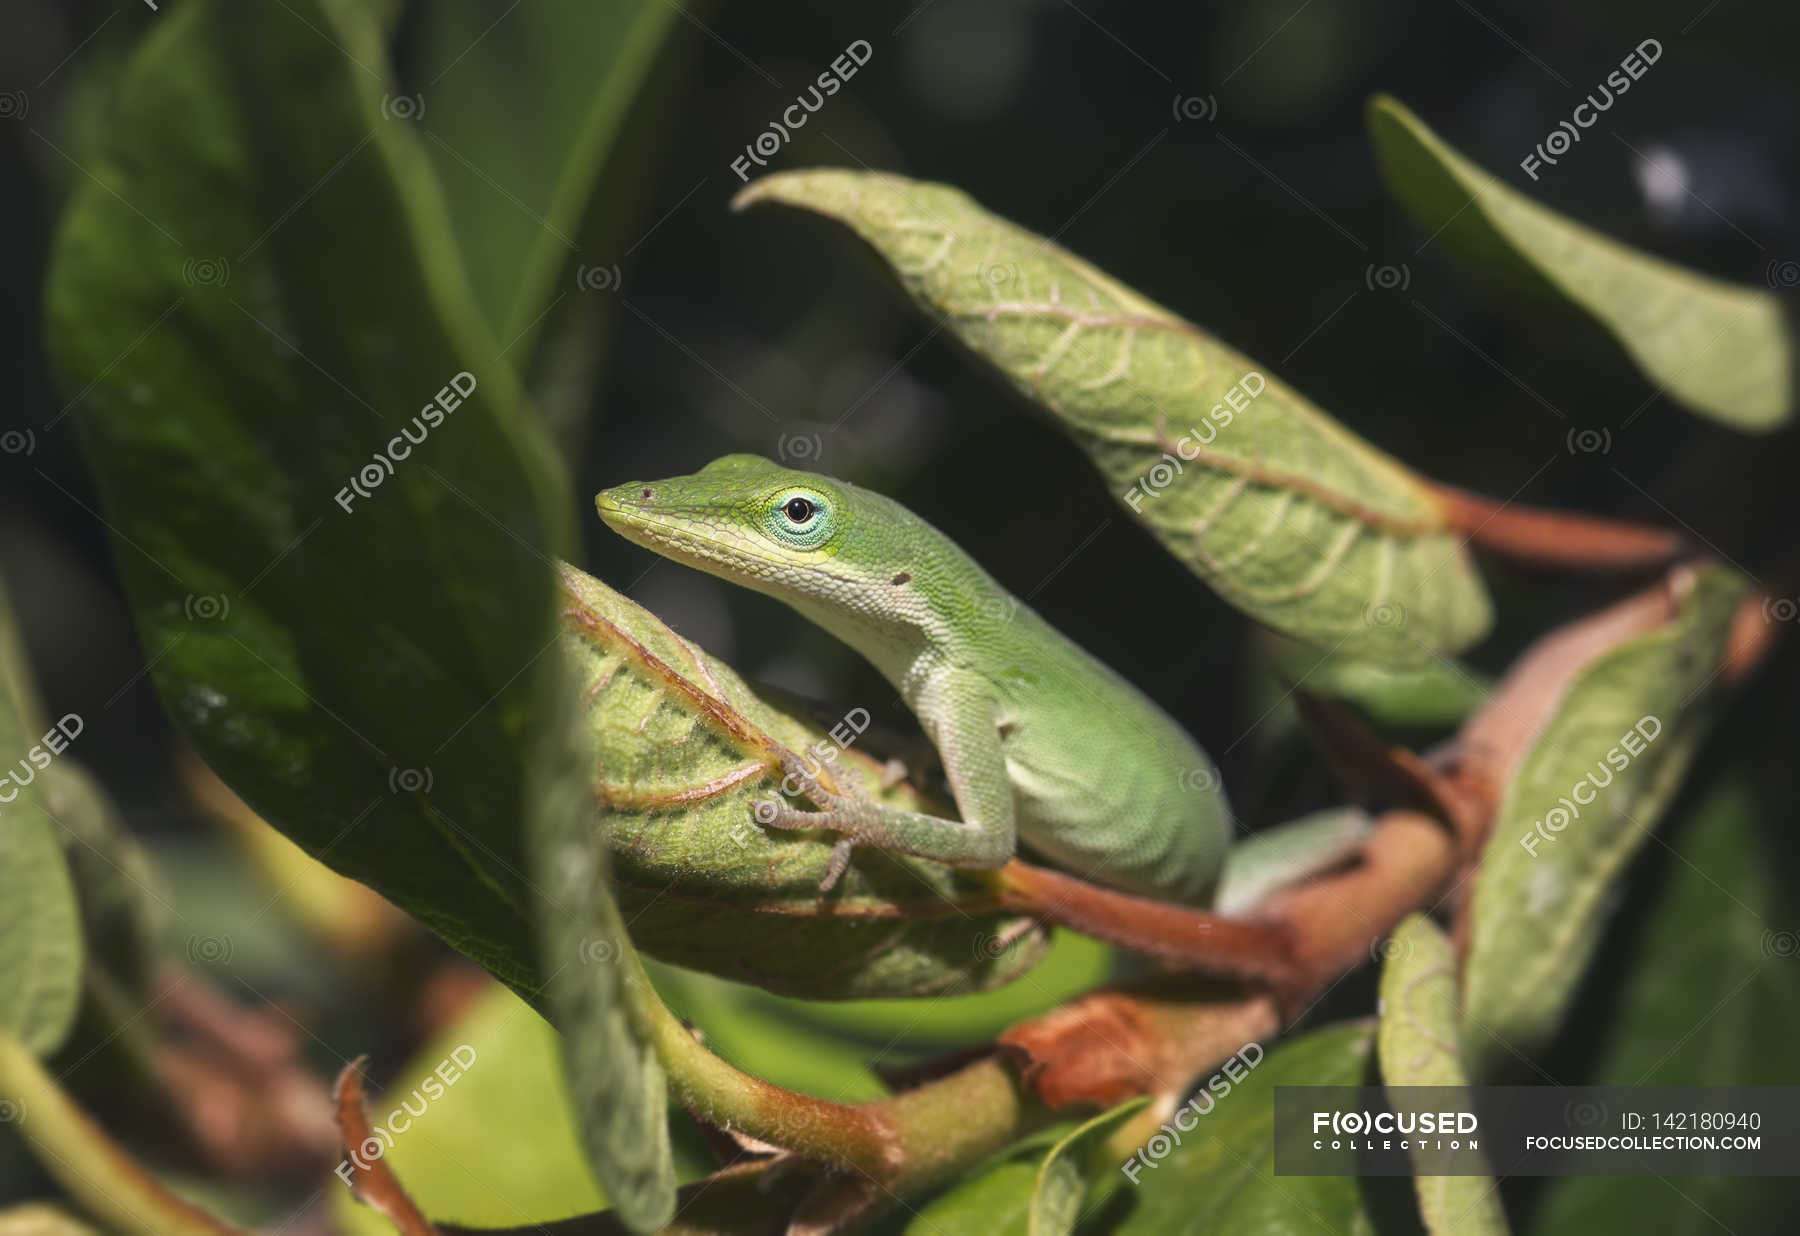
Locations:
{"points": [[1155, 1037], [1557, 538]]}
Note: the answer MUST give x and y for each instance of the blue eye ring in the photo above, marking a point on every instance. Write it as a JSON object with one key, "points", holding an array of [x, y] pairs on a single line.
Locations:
{"points": [[801, 518]]}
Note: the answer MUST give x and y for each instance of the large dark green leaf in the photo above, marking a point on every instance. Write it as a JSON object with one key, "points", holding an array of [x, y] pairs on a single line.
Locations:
{"points": [[362, 677], [1221, 1178], [563, 71], [680, 748], [1720, 348], [262, 290], [40, 928], [1710, 996], [1621, 734], [1289, 515]]}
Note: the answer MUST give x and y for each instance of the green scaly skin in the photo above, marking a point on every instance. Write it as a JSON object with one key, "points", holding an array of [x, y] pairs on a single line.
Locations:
{"points": [[1041, 742]]}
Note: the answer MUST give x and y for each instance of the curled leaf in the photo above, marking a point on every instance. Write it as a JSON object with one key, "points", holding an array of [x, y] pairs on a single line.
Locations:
{"points": [[1720, 348], [682, 750], [1417, 1042], [1290, 516], [1071, 1171], [1578, 803]]}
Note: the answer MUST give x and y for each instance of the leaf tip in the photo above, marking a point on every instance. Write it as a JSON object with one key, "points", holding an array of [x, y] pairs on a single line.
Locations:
{"points": [[787, 188]]}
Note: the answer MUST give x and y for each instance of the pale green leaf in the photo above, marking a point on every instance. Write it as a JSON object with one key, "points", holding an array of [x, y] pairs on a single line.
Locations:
{"points": [[1439, 692], [499, 1148], [1721, 348], [125, 907], [40, 926], [680, 750], [1621, 736], [1417, 1043], [1074, 964], [1290, 516], [1072, 1170], [42, 1219]]}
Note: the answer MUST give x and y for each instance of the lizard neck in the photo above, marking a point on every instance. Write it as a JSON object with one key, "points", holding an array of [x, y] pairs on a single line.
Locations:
{"points": [[899, 638]]}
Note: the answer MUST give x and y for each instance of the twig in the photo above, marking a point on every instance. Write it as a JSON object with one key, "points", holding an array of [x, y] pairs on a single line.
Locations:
{"points": [[94, 1170], [1557, 538], [374, 1181]]}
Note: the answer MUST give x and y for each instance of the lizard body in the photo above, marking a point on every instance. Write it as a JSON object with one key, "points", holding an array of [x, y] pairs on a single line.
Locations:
{"points": [[1041, 742]]}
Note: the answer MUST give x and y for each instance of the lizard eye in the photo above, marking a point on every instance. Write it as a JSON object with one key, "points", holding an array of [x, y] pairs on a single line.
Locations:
{"points": [[798, 509]]}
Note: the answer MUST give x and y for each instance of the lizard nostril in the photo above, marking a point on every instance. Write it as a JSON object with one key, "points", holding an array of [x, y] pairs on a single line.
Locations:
{"points": [[649, 494]]}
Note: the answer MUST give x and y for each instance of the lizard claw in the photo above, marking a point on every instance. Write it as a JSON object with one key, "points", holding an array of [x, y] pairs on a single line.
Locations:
{"points": [[769, 813], [772, 813], [840, 860]]}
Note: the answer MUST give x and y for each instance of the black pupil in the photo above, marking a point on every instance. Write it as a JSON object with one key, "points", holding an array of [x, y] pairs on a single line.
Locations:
{"points": [[799, 510]]}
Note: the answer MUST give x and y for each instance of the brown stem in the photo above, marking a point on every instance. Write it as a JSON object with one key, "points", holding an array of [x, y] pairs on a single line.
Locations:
{"points": [[1557, 538], [367, 1170], [1138, 1038], [1197, 939]]}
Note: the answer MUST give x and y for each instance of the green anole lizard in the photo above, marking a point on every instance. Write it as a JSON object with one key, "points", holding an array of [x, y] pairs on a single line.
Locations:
{"points": [[1040, 742]]}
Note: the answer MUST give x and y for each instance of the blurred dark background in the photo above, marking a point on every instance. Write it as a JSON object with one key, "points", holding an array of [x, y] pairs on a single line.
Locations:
{"points": [[1263, 220]]}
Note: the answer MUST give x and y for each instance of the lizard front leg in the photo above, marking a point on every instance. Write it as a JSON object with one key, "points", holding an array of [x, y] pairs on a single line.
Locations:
{"points": [[968, 740]]}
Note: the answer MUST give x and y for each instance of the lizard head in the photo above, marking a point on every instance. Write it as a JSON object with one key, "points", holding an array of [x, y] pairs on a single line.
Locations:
{"points": [[749, 520]]}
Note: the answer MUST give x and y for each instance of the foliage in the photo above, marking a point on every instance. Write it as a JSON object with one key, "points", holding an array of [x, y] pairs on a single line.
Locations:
{"points": [[284, 245]]}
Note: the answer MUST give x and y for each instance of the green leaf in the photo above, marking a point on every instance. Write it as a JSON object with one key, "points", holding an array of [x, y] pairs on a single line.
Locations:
{"points": [[1035, 1187], [995, 1197], [1292, 518], [1074, 964], [615, 1079], [1709, 997], [1417, 1043], [40, 926], [365, 665], [1720, 348], [760, 1034], [124, 905], [500, 1147], [680, 750], [1622, 734], [364, 678], [1221, 1178], [1072, 1170], [566, 73], [1440, 692], [830, 1048]]}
